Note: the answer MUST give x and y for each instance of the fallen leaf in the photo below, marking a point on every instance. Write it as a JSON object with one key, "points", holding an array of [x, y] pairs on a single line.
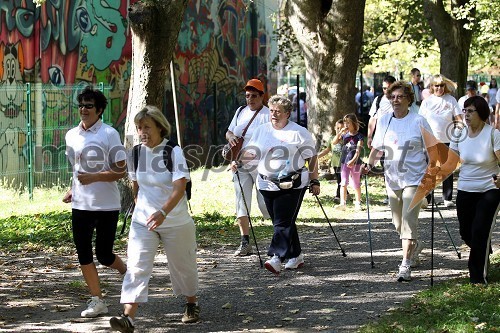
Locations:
{"points": [[227, 306]]}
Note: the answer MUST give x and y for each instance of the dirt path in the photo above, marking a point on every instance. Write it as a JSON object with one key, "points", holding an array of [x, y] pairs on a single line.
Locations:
{"points": [[44, 293]]}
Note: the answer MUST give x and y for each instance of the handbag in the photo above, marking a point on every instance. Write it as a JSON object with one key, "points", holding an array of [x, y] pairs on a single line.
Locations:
{"points": [[232, 153]]}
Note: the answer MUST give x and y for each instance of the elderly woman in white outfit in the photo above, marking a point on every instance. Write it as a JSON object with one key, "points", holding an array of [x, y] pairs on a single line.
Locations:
{"points": [[442, 112], [400, 136], [160, 215]]}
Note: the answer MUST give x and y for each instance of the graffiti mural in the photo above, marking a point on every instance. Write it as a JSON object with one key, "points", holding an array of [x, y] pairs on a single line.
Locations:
{"points": [[64, 45]]}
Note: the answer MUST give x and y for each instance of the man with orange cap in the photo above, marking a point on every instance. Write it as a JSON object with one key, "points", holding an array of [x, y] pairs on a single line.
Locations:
{"points": [[244, 176]]}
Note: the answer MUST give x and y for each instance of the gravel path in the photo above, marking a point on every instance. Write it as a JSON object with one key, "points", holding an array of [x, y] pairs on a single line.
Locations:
{"points": [[331, 293]]}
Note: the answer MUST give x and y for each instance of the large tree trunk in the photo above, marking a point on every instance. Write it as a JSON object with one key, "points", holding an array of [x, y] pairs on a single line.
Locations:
{"points": [[453, 39], [155, 27], [330, 36]]}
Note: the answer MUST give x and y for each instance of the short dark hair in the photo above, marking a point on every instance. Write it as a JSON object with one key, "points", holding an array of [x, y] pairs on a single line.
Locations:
{"points": [[89, 93], [481, 105], [414, 70], [389, 79]]}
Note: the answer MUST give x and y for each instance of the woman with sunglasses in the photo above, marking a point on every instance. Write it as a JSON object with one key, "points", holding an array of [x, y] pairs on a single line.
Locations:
{"points": [[442, 112], [478, 198], [400, 137]]}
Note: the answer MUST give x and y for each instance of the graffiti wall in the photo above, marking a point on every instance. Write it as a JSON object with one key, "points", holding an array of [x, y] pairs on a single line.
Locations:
{"points": [[66, 45]]}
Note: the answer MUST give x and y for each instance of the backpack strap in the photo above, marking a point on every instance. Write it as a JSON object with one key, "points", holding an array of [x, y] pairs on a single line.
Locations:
{"points": [[167, 154], [136, 151], [377, 103], [238, 113]]}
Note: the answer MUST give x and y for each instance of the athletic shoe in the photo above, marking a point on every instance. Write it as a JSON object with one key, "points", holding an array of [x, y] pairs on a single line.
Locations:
{"points": [[245, 249], [273, 265], [448, 203], [385, 201], [415, 260], [341, 207], [191, 313], [295, 263], [121, 324], [357, 206], [95, 307], [404, 273]]}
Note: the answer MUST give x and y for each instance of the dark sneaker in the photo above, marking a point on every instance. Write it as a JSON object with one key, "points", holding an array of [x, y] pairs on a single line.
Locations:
{"points": [[191, 313], [245, 249], [121, 324]]}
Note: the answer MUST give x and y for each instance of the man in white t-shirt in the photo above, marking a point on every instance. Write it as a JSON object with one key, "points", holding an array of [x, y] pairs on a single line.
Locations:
{"points": [[470, 90], [244, 178], [98, 159], [417, 90], [380, 106]]}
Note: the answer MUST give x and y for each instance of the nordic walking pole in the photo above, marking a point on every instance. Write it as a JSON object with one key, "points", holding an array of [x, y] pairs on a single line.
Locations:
{"points": [[328, 220], [432, 238], [249, 220], [369, 221], [448, 231]]}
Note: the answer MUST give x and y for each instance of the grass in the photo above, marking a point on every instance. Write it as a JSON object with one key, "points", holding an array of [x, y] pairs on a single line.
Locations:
{"points": [[44, 224]]}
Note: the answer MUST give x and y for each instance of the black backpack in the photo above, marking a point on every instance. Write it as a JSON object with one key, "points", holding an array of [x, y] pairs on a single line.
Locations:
{"points": [[167, 158]]}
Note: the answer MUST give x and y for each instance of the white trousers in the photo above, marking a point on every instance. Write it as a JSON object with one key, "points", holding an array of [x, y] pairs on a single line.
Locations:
{"points": [[247, 180], [180, 246]]}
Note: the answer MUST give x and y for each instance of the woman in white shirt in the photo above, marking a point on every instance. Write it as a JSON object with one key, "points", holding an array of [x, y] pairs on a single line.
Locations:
{"points": [[478, 197], [400, 137], [442, 112], [160, 215], [279, 151]]}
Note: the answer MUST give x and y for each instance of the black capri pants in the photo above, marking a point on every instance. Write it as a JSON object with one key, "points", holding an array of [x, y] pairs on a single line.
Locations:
{"points": [[476, 212], [104, 223]]}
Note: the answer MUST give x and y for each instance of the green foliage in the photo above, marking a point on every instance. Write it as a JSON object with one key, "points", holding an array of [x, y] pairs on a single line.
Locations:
{"points": [[455, 306], [288, 50]]}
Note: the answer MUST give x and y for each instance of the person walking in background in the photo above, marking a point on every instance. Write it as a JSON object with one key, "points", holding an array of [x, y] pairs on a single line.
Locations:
{"points": [[160, 215], [470, 90], [350, 161], [442, 113], [416, 88], [284, 155], [478, 197], [400, 136], [336, 152], [492, 94], [94, 195], [381, 106], [254, 94]]}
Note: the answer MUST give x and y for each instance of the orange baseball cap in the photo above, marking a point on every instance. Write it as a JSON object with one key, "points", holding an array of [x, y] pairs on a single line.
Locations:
{"points": [[256, 84]]}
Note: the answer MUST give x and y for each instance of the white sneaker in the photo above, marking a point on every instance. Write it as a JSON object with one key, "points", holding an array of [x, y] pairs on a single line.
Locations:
{"points": [[415, 260], [448, 203], [95, 307], [357, 206], [404, 273], [341, 206], [295, 263], [273, 265]]}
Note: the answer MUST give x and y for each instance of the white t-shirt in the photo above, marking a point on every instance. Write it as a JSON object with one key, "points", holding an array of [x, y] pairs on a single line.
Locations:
{"points": [[156, 184], [478, 159], [440, 113], [461, 101], [286, 149], [92, 151], [239, 122], [405, 150], [385, 107]]}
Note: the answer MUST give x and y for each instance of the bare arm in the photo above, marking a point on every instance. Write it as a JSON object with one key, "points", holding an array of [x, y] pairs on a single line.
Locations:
{"points": [[372, 123], [313, 175]]}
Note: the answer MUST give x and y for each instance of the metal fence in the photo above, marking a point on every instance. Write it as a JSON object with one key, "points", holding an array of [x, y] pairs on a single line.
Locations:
{"points": [[33, 124]]}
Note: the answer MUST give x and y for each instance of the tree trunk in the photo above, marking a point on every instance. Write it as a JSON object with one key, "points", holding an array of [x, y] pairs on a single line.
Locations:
{"points": [[453, 39], [330, 35], [155, 27]]}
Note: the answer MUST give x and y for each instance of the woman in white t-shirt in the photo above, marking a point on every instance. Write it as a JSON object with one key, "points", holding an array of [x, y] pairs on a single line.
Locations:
{"points": [[160, 215], [478, 198], [442, 112], [400, 137], [279, 151]]}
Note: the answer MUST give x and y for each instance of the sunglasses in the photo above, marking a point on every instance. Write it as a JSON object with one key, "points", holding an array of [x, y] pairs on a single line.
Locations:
{"points": [[468, 111], [86, 106], [439, 85], [397, 97], [251, 96]]}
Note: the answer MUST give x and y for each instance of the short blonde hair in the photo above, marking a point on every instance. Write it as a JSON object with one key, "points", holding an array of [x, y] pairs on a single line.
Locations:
{"points": [[152, 112], [449, 85]]}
